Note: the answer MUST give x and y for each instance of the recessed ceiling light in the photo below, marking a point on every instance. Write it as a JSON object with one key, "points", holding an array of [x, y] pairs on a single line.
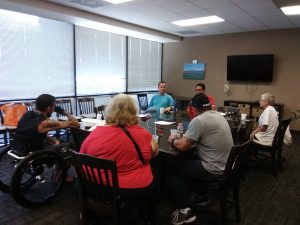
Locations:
{"points": [[117, 1], [291, 10], [198, 21]]}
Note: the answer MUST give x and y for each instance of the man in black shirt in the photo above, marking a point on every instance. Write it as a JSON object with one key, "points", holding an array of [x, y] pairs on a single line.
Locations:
{"points": [[32, 128]]}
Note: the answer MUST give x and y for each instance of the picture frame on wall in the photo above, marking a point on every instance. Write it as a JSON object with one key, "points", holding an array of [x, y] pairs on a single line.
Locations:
{"points": [[194, 71]]}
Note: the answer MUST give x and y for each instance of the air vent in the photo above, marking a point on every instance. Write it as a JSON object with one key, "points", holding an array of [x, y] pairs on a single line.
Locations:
{"points": [[187, 32], [91, 3]]}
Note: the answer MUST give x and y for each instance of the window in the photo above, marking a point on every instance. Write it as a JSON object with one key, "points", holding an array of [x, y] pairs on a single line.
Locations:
{"points": [[100, 62], [36, 56], [144, 64]]}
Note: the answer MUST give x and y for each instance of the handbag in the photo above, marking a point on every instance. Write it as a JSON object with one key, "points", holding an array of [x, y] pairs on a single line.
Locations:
{"points": [[137, 148]]}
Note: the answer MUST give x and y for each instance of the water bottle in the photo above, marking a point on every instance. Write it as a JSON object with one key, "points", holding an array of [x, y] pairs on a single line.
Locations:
{"points": [[179, 132], [174, 106]]}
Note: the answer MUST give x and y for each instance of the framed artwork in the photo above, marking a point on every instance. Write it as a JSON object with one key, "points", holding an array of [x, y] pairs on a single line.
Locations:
{"points": [[195, 71]]}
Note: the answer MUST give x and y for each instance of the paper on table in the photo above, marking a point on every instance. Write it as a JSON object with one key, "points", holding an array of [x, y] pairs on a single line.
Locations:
{"points": [[98, 124], [223, 114], [164, 123]]}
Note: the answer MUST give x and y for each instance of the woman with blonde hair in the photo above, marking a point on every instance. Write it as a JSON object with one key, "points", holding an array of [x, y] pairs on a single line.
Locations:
{"points": [[113, 142]]}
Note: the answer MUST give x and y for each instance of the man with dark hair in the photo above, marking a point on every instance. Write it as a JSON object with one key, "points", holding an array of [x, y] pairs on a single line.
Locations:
{"points": [[32, 128], [200, 89], [161, 100], [210, 133]]}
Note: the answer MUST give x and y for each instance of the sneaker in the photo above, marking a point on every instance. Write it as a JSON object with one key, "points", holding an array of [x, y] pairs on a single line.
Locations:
{"points": [[181, 216]]}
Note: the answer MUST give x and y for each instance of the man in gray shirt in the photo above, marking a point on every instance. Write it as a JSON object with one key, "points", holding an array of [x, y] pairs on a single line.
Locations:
{"points": [[210, 133]]}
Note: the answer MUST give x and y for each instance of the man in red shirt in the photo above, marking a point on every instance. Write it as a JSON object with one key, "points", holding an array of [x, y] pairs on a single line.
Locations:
{"points": [[200, 89]]}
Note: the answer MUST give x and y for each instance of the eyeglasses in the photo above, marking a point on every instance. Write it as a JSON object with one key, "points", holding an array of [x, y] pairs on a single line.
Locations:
{"points": [[199, 89]]}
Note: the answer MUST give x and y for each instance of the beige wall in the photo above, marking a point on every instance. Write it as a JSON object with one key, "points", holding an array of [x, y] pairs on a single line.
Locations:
{"points": [[213, 50]]}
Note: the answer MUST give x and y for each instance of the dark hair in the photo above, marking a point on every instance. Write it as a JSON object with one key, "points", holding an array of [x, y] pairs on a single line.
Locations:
{"points": [[201, 102], [44, 101], [160, 82], [201, 85]]}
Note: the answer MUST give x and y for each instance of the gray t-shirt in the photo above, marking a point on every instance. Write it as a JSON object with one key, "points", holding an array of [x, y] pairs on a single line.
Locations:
{"points": [[214, 140]]}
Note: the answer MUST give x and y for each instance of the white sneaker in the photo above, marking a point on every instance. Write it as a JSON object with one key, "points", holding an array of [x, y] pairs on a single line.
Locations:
{"points": [[181, 216]]}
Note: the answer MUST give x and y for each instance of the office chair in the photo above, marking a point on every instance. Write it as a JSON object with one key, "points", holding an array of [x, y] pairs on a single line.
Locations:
{"points": [[143, 101], [87, 107]]}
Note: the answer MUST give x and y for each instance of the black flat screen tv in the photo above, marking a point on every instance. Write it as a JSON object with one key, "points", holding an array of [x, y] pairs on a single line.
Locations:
{"points": [[250, 68]]}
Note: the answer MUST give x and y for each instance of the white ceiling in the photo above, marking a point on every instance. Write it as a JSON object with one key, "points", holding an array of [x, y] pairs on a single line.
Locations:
{"points": [[239, 15]]}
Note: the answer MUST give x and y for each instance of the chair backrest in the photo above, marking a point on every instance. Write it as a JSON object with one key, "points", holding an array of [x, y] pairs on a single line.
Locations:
{"points": [[235, 160], [143, 101], [79, 136], [66, 105], [279, 135], [98, 180], [30, 106], [86, 105], [101, 110], [233, 110]]}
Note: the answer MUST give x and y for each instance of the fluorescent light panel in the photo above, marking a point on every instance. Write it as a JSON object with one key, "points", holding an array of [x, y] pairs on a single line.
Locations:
{"points": [[117, 1], [291, 10], [198, 21]]}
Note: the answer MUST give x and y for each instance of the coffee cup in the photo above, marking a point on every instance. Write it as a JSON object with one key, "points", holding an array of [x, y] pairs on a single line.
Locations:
{"points": [[161, 110], [243, 116], [173, 131]]}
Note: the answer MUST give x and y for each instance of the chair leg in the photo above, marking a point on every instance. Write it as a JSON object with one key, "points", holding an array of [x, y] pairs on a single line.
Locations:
{"points": [[223, 205], [274, 164], [236, 201]]}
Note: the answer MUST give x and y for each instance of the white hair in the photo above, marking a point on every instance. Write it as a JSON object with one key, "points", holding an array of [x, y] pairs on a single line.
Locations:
{"points": [[269, 98]]}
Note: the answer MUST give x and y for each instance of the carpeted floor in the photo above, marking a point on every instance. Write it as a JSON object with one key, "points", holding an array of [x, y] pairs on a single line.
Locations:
{"points": [[264, 199]]}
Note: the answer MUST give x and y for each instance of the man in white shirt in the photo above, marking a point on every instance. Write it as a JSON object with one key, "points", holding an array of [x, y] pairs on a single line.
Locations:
{"points": [[268, 121]]}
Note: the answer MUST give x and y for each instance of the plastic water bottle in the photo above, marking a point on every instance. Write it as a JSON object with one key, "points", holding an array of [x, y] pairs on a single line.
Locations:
{"points": [[179, 130], [174, 106]]}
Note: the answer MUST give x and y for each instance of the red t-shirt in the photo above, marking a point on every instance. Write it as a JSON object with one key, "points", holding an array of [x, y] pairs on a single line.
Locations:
{"points": [[111, 142]]}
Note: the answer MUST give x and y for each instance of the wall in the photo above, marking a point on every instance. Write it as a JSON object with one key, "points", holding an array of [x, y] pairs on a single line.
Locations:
{"points": [[213, 50]]}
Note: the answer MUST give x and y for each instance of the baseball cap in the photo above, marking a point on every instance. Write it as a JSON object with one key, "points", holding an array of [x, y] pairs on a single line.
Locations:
{"points": [[200, 101]]}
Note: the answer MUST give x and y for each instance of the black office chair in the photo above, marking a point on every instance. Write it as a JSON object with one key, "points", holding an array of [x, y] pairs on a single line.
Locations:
{"points": [[79, 136], [233, 111], [99, 186], [273, 151], [143, 101], [87, 107], [101, 110], [66, 105], [227, 183], [30, 106]]}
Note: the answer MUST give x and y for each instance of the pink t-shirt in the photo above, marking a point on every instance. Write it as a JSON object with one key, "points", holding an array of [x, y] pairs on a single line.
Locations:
{"points": [[111, 142]]}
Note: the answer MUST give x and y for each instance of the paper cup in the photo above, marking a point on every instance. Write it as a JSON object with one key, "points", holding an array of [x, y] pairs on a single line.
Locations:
{"points": [[243, 116], [161, 110], [173, 131], [155, 138]]}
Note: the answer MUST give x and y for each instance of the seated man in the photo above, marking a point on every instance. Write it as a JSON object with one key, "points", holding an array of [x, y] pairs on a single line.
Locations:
{"points": [[32, 128], [200, 89], [161, 100], [210, 133], [268, 121]]}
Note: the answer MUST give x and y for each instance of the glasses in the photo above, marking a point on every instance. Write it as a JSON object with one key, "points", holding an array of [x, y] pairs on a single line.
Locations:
{"points": [[199, 89]]}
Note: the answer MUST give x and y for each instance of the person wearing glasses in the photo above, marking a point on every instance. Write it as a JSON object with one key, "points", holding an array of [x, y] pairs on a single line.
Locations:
{"points": [[200, 89], [268, 121]]}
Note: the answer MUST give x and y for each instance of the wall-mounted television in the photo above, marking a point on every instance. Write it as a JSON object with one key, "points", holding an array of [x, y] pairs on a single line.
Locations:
{"points": [[250, 68], [194, 71]]}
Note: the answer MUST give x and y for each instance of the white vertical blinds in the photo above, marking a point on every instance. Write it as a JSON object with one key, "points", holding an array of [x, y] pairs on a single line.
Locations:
{"points": [[36, 56], [100, 62], [144, 64]]}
